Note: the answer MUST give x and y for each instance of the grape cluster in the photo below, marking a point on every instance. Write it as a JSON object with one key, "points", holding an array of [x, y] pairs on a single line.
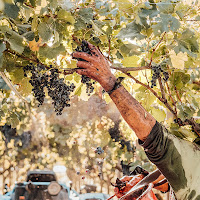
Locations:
{"points": [[38, 81], [166, 76], [89, 84], [99, 150], [84, 79], [157, 70], [57, 89]]}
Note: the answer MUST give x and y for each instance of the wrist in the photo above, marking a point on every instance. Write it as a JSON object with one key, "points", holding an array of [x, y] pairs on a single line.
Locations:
{"points": [[109, 84], [116, 85]]}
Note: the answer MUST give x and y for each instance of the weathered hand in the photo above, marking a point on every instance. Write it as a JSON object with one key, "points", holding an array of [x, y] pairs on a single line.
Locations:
{"points": [[96, 67]]}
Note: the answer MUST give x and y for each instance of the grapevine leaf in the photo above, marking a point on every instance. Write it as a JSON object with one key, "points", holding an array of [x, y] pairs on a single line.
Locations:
{"points": [[3, 85], [188, 134], [159, 114], [185, 112], [189, 41], [67, 5], [63, 14], [29, 36], [25, 87], [34, 46], [51, 52], [14, 39], [16, 43], [72, 64], [131, 31], [96, 28], [86, 14], [131, 61], [80, 24], [178, 61], [166, 22], [130, 49], [78, 90], [44, 31], [2, 48], [33, 2], [165, 8], [11, 10], [14, 120]]}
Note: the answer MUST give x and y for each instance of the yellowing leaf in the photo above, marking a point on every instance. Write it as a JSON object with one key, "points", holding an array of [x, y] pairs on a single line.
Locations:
{"points": [[34, 46], [178, 61], [131, 61], [159, 114], [25, 87]]}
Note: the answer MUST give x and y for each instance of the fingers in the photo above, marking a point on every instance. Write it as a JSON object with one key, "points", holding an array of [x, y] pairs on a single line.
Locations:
{"points": [[84, 56], [83, 64], [94, 49], [82, 72]]}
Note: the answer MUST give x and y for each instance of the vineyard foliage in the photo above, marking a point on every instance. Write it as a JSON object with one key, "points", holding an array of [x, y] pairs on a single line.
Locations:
{"points": [[139, 38]]}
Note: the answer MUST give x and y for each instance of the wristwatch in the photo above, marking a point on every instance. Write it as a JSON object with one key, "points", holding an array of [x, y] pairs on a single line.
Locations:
{"points": [[116, 85]]}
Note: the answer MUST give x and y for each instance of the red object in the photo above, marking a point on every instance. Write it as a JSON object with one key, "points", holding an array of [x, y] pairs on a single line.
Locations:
{"points": [[130, 182]]}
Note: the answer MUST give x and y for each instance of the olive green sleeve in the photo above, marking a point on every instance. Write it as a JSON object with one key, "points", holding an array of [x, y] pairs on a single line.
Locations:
{"points": [[173, 157]]}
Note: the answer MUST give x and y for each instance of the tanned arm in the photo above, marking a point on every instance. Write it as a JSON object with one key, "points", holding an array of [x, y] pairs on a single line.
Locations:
{"points": [[97, 67], [133, 113]]}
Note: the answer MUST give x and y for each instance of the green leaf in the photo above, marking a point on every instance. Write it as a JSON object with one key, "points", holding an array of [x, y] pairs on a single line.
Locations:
{"points": [[2, 48], [14, 120], [11, 10], [130, 49], [159, 114], [166, 22], [188, 134], [86, 14], [16, 43], [14, 39], [165, 7], [185, 111], [44, 31], [78, 90], [33, 2], [29, 35], [131, 61], [189, 41], [131, 31], [63, 14], [51, 52], [3, 85]]}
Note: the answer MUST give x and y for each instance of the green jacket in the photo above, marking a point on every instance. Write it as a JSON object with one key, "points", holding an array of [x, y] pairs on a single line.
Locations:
{"points": [[177, 159]]}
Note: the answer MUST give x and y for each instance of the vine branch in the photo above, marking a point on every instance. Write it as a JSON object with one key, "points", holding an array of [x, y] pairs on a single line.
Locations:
{"points": [[10, 85]]}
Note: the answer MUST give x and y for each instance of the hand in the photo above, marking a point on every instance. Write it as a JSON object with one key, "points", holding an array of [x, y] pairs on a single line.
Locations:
{"points": [[96, 67]]}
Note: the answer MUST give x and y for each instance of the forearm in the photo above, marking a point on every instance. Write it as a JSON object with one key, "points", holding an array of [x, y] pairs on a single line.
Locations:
{"points": [[133, 113]]}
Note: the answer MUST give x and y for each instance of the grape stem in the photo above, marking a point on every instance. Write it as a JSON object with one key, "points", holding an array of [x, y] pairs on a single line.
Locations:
{"points": [[169, 93], [162, 88], [156, 48]]}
